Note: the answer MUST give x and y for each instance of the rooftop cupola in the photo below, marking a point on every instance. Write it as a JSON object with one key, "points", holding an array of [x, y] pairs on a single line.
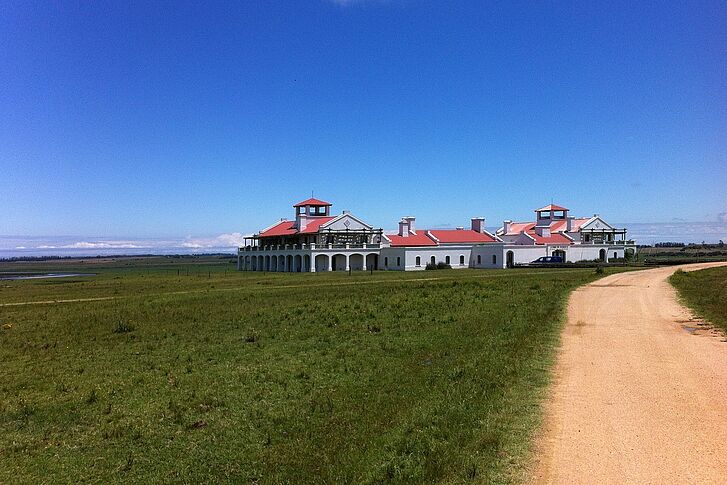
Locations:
{"points": [[549, 213], [308, 209]]}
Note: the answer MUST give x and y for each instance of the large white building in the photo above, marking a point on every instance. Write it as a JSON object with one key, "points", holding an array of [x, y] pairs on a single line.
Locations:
{"points": [[318, 241]]}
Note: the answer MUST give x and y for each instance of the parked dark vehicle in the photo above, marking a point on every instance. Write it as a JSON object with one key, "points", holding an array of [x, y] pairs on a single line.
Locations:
{"points": [[546, 260]]}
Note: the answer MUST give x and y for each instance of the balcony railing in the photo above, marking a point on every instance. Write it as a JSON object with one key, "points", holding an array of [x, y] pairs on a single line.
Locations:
{"points": [[301, 247]]}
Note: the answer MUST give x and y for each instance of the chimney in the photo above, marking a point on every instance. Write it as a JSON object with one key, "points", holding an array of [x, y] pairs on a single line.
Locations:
{"points": [[404, 227], [478, 224], [301, 221], [506, 226], [569, 223], [410, 221]]}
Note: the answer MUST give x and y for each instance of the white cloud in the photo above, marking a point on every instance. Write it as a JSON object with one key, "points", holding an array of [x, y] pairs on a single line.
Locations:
{"points": [[95, 245], [227, 240]]}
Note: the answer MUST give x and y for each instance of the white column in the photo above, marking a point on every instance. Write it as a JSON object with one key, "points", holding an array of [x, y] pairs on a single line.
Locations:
{"points": [[347, 265], [330, 263]]}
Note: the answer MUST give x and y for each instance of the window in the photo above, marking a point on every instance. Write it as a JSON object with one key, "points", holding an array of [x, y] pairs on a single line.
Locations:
{"points": [[434, 260], [386, 262], [494, 259], [446, 260], [615, 254], [479, 259], [419, 260], [461, 259], [588, 237], [398, 261]]}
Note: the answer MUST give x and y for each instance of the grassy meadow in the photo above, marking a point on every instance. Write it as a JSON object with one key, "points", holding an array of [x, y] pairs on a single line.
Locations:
{"points": [[183, 370], [705, 292]]}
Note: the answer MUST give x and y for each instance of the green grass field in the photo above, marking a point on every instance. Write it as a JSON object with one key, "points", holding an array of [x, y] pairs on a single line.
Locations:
{"points": [[216, 375], [705, 292]]}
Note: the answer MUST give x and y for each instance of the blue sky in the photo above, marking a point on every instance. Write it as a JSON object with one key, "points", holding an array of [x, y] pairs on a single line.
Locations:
{"points": [[161, 119]]}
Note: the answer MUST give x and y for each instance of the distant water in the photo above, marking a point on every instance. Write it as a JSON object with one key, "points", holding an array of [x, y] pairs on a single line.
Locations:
{"points": [[77, 246]]}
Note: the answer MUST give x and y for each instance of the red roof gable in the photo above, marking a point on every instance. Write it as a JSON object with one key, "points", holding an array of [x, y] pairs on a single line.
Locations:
{"points": [[418, 239], [460, 236], [314, 202], [551, 207]]}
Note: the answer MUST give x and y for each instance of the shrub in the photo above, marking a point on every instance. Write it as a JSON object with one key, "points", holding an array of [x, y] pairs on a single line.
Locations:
{"points": [[439, 265], [123, 327], [599, 269]]}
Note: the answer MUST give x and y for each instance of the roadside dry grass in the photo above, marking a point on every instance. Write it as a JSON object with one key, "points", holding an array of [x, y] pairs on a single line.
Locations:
{"points": [[705, 292], [276, 378]]}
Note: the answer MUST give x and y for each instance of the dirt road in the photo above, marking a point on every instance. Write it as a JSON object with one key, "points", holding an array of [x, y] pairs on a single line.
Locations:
{"points": [[640, 391]]}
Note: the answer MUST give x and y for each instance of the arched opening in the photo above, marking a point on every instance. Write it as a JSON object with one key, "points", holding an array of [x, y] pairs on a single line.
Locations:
{"points": [[267, 263], [289, 263], [560, 254], [306, 263], [447, 260], [602, 255], [372, 261], [298, 263], [419, 261], [461, 259], [433, 260], [386, 263], [479, 259], [247, 263], [510, 259], [274, 263], [355, 262], [321, 262], [494, 259], [398, 261], [339, 262]]}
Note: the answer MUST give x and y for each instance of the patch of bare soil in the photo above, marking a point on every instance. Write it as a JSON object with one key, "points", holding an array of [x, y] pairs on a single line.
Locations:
{"points": [[640, 390]]}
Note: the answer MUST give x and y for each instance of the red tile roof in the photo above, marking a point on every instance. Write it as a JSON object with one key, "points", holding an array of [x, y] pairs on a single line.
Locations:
{"points": [[418, 239], [311, 201], [313, 224], [551, 207], [556, 229], [445, 236], [283, 228], [286, 228], [575, 224], [518, 227], [554, 238]]}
